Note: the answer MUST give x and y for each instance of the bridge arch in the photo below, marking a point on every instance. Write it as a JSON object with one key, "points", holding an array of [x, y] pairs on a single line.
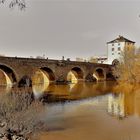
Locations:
{"points": [[100, 74], [43, 75], [8, 73], [75, 74], [49, 72], [115, 62]]}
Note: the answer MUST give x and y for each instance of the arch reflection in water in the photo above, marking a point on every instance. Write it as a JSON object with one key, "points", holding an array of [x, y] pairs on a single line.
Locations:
{"points": [[84, 90], [39, 89], [71, 86], [40, 82], [79, 90], [76, 88]]}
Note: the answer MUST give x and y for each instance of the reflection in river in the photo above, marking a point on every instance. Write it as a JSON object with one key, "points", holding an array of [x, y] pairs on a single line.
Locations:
{"points": [[105, 114], [92, 118], [125, 104], [97, 111], [39, 89], [116, 105], [73, 91], [120, 103]]}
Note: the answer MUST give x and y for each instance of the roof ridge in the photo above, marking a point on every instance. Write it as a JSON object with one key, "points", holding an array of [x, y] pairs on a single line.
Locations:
{"points": [[120, 39]]}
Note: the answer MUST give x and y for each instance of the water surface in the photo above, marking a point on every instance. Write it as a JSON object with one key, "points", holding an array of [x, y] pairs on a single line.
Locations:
{"points": [[92, 111], [99, 113]]}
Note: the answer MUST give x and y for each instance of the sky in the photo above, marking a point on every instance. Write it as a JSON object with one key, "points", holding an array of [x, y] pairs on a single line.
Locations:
{"points": [[70, 28]]}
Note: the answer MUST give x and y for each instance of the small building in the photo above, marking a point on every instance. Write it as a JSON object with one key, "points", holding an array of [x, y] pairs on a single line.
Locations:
{"points": [[115, 48], [97, 59], [102, 60], [80, 59]]}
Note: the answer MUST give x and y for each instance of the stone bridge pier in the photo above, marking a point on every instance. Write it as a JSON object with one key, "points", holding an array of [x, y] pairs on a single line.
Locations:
{"points": [[28, 71]]}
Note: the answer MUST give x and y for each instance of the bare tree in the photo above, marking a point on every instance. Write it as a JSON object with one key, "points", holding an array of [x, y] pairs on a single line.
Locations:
{"points": [[13, 3], [19, 113], [128, 70]]}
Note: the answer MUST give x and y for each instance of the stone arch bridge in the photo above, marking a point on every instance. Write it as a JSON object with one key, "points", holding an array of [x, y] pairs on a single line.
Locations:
{"points": [[21, 70]]}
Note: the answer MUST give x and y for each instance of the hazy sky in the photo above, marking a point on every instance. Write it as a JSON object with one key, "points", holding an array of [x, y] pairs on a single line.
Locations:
{"points": [[73, 28]]}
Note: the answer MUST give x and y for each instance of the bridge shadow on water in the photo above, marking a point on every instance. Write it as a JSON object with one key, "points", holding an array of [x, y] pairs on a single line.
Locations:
{"points": [[68, 92], [55, 93]]}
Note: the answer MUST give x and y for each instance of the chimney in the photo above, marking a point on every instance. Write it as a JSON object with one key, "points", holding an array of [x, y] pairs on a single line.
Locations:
{"points": [[120, 36]]}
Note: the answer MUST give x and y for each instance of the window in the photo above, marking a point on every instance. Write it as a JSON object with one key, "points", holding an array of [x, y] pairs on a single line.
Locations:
{"points": [[112, 44], [119, 48], [118, 44], [112, 49], [119, 53], [112, 53]]}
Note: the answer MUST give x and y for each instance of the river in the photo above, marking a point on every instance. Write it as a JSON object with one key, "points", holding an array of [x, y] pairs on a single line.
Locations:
{"points": [[98, 112], [91, 111]]}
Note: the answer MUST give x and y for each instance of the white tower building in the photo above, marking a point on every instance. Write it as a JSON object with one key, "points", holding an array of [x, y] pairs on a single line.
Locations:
{"points": [[115, 47]]}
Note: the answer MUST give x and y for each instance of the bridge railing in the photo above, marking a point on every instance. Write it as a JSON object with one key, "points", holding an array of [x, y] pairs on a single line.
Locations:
{"points": [[51, 61]]}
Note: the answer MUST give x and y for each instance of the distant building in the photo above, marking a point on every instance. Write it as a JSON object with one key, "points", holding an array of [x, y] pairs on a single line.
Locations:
{"points": [[92, 60], [102, 60], [97, 59], [40, 57], [80, 59], [115, 47], [114, 51]]}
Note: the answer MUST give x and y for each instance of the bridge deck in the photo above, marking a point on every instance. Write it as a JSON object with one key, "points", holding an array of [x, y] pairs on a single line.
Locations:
{"points": [[23, 59]]}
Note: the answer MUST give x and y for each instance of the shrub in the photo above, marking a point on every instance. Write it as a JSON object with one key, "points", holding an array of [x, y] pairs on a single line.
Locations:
{"points": [[128, 70], [19, 113]]}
